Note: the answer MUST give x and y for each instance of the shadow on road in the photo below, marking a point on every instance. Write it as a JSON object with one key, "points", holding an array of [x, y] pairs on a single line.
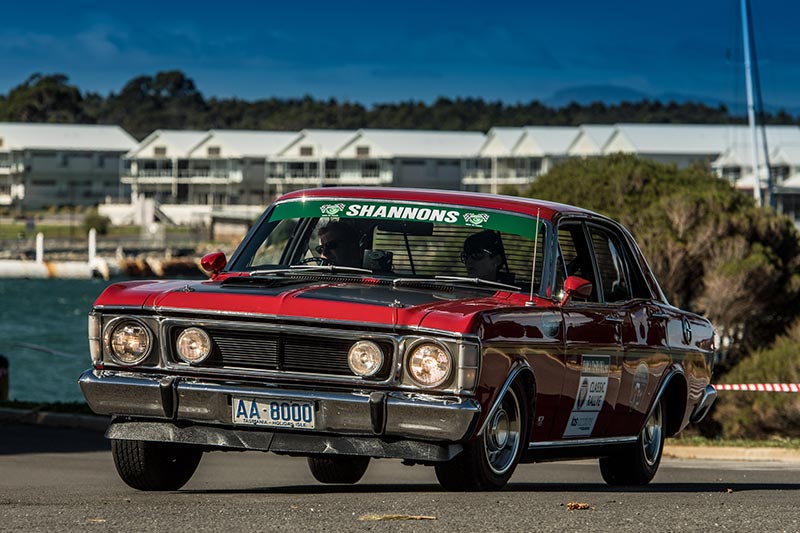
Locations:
{"points": [[512, 487], [19, 439]]}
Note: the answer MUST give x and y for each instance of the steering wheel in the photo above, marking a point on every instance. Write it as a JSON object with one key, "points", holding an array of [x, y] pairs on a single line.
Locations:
{"points": [[314, 259]]}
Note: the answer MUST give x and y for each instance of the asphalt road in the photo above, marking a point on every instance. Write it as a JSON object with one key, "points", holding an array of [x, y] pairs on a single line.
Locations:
{"points": [[64, 480]]}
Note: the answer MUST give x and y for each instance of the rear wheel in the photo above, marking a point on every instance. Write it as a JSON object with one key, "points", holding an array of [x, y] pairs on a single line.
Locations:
{"points": [[638, 465], [488, 462], [155, 466], [337, 468]]}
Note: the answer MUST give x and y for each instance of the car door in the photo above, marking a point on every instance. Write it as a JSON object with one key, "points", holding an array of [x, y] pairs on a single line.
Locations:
{"points": [[592, 340], [645, 349]]}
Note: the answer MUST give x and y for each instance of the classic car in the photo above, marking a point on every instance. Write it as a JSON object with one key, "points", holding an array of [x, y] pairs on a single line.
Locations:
{"points": [[564, 346]]}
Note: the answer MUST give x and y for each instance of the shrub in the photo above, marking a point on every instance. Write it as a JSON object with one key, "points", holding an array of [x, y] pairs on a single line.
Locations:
{"points": [[763, 414], [95, 220]]}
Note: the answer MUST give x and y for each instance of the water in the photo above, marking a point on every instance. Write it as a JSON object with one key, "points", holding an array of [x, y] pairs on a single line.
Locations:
{"points": [[43, 336]]}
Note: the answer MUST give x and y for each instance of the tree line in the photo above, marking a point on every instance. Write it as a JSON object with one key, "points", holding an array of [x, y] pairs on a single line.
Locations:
{"points": [[171, 100]]}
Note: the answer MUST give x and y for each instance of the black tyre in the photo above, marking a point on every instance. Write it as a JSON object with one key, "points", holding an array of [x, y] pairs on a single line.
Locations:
{"points": [[639, 464], [488, 462], [155, 466], [337, 468]]}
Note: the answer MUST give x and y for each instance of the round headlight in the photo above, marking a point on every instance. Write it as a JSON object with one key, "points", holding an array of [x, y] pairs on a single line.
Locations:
{"points": [[194, 345], [129, 342], [365, 358], [429, 364]]}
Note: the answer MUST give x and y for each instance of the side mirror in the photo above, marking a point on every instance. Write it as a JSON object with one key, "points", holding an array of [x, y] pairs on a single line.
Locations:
{"points": [[213, 262], [576, 286]]}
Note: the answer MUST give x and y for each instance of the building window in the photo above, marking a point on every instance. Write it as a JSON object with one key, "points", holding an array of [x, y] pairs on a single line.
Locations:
{"points": [[63, 160], [160, 151], [306, 151], [213, 151], [362, 151]]}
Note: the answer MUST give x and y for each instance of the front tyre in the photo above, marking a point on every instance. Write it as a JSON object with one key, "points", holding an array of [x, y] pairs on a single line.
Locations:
{"points": [[337, 468], [638, 465], [155, 466], [488, 462]]}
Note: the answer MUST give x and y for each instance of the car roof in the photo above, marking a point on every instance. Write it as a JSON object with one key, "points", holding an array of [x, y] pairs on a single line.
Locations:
{"points": [[528, 206]]}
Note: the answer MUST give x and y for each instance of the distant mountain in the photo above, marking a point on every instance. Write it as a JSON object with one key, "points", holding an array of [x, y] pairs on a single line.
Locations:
{"points": [[587, 94]]}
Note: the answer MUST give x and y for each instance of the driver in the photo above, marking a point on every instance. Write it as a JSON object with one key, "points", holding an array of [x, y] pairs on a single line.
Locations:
{"points": [[338, 244], [483, 255]]}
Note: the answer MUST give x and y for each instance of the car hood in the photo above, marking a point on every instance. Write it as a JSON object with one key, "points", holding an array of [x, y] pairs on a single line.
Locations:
{"points": [[368, 303]]}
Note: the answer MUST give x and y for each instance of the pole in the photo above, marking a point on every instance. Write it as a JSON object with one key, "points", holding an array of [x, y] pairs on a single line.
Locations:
{"points": [[751, 115]]}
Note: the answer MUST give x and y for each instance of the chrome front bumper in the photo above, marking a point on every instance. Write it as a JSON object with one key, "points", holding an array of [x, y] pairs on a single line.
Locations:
{"points": [[387, 415]]}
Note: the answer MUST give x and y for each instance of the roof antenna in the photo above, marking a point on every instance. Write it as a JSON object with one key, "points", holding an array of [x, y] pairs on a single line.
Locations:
{"points": [[530, 303]]}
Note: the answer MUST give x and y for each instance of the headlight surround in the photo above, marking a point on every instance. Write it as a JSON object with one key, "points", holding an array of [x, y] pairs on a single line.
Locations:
{"points": [[365, 358], [193, 345], [429, 364], [129, 341]]}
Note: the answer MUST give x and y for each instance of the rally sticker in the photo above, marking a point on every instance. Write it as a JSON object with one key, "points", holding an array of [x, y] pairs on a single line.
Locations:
{"points": [[591, 395]]}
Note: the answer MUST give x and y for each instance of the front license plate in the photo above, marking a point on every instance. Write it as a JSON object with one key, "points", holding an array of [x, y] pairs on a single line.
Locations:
{"points": [[273, 413]]}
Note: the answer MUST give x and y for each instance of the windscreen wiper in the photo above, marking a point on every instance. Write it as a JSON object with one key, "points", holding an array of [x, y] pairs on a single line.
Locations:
{"points": [[306, 269], [477, 282]]}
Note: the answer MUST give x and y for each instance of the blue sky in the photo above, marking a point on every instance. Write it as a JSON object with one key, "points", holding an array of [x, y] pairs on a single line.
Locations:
{"points": [[372, 52]]}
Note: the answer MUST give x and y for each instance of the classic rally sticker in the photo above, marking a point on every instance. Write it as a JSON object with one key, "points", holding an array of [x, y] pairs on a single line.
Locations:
{"points": [[591, 395]]}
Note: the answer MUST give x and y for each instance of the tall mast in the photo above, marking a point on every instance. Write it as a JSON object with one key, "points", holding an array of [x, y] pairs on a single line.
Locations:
{"points": [[751, 75]]}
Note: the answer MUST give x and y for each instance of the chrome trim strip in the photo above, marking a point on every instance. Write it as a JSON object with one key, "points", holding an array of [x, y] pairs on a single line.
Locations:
{"points": [[515, 371], [582, 442]]}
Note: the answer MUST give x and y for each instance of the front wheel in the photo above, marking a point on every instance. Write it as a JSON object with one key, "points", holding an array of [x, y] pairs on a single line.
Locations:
{"points": [[155, 466], [337, 468], [488, 462], [638, 466]]}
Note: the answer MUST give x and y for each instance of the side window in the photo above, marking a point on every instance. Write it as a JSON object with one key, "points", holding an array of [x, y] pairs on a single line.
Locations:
{"points": [[576, 258], [611, 265]]}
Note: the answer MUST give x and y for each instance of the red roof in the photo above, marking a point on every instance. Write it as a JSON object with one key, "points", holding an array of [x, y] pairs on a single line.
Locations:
{"points": [[528, 206]]}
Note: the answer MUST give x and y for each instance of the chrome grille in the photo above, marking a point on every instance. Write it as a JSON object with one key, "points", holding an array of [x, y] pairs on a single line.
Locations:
{"points": [[271, 350]]}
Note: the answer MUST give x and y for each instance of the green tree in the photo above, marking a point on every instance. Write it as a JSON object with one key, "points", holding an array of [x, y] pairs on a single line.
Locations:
{"points": [[711, 248], [43, 98]]}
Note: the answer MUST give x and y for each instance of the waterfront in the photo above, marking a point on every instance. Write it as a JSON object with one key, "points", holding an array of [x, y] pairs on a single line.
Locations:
{"points": [[43, 336]]}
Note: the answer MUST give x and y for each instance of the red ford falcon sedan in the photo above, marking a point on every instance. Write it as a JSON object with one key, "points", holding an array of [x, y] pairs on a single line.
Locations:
{"points": [[462, 331]]}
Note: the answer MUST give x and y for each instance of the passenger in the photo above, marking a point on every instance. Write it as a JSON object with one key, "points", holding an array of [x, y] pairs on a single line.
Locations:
{"points": [[339, 244], [483, 255]]}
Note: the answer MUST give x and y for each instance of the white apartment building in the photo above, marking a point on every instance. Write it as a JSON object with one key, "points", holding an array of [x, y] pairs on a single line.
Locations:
{"points": [[516, 156], [374, 157], [44, 165]]}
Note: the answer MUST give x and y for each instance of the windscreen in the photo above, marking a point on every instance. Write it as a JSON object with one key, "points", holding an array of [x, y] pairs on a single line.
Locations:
{"points": [[399, 240]]}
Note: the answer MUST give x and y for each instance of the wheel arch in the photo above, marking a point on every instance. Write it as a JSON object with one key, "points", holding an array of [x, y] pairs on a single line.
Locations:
{"points": [[674, 391], [521, 371]]}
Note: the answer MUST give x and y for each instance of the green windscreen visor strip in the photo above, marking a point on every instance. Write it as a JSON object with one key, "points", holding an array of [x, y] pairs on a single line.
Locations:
{"points": [[452, 215]]}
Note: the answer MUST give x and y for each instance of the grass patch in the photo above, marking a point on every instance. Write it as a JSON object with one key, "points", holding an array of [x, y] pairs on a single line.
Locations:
{"points": [[787, 443]]}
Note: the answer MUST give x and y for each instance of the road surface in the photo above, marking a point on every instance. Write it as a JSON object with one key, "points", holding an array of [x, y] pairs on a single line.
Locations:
{"points": [[64, 480]]}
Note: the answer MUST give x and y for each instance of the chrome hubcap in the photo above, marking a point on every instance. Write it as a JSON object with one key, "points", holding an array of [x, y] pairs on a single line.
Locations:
{"points": [[652, 435], [502, 436]]}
